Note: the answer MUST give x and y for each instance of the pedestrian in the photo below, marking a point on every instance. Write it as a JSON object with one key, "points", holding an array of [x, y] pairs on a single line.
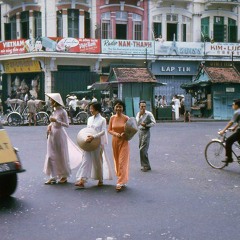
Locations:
{"points": [[32, 110], [145, 120], [236, 135], [176, 102], [92, 161], [72, 107], [57, 165], [120, 145]]}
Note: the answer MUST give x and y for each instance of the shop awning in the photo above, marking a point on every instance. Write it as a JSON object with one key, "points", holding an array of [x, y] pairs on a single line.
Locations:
{"points": [[195, 84]]}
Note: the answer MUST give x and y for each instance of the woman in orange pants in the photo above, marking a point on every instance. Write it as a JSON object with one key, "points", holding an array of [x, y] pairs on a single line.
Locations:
{"points": [[120, 145]]}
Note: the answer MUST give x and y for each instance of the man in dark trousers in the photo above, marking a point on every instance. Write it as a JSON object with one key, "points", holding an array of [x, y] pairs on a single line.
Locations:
{"points": [[145, 120], [236, 135]]}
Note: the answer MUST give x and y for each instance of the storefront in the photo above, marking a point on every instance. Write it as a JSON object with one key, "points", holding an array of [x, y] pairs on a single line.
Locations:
{"points": [[215, 87], [20, 77], [174, 74]]}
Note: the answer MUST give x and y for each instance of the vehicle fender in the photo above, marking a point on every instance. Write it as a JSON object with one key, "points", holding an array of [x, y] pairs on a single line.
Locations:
{"points": [[217, 140]]}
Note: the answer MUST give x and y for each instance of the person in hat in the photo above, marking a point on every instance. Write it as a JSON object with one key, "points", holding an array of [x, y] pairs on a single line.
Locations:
{"points": [[57, 165], [145, 120], [92, 161], [120, 145]]}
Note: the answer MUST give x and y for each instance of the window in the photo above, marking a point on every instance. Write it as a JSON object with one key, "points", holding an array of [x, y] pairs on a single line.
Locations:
{"points": [[137, 27], [219, 30], [25, 25], [73, 23], [59, 24], [87, 25], [157, 29], [106, 32], [172, 17], [205, 29], [38, 24], [232, 30], [137, 31], [11, 29]]}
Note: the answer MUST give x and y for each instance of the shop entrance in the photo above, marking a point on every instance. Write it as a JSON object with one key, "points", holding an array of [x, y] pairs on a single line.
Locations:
{"points": [[121, 31]]}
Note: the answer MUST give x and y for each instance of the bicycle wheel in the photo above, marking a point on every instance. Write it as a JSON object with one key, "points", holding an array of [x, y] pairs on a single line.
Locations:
{"points": [[82, 117], [42, 118], [14, 119], [215, 154]]}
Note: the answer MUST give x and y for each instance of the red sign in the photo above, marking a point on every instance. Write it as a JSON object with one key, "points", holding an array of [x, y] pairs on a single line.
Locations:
{"points": [[13, 47], [86, 45]]}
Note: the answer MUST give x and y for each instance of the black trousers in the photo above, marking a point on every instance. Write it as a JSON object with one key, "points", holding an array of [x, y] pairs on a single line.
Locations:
{"points": [[229, 142]]}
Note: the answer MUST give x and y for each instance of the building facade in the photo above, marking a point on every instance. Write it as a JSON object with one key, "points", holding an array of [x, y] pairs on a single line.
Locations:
{"points": [[85, 39]]}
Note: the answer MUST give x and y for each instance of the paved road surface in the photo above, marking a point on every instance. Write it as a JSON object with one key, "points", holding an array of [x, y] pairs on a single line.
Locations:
{"points": [[181, 198]]}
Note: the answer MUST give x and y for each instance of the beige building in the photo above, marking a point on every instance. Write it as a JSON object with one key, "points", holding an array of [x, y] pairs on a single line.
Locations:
{"points": [[168, 36]]}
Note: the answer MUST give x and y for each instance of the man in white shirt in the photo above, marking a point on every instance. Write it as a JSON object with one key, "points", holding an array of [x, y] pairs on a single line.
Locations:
{"points": [[145, 120], [72, 107]]}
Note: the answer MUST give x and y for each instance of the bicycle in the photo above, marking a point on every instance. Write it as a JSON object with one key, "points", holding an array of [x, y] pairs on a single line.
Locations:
{"points": [[19, 114], [215, 152]]}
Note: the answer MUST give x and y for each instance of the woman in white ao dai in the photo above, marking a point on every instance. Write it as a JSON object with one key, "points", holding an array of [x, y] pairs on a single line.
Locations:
{"points": [[95, 164]]}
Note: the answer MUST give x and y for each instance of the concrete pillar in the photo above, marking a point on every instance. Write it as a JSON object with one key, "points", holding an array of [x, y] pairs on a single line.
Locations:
{"points": [[65, 22], [113, 24], [31, 24], [130, 35], [211, 21], [196, 28], [164, 26], [179, 29], [18, 27], [81, 24]]}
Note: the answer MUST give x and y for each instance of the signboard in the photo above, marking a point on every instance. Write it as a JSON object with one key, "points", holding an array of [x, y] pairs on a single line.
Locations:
{"points": [[230, 90], [179, 48], [174, 68], [7, 153], [12, 47], [222, 49], [127, 47], [87, 46], [19, 66]]}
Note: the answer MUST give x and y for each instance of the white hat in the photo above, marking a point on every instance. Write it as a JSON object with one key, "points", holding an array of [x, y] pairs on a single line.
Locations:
{"points": [[72, 97], [130, 128], [56, 97], [82, 136]]}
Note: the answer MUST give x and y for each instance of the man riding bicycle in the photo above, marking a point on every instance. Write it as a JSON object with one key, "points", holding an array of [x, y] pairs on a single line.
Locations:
{"points": [[236, 135]]}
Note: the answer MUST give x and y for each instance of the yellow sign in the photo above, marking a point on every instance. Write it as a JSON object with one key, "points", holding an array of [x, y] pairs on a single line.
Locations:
{"points": [[7, 153], [20, 66]]}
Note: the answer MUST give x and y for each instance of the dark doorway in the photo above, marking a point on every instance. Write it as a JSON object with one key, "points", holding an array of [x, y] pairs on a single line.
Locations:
{"points": [[121, 31], [171, 30]]}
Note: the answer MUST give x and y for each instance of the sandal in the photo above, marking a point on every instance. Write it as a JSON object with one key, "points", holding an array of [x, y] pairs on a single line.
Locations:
{"points": [[50, 181], [100, 183], [62, 180], [80, 184], [119, 188]]}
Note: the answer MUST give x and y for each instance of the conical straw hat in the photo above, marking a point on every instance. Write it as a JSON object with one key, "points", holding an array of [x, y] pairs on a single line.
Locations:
{"points": [[82, 136], [131, 128], [56, 97]]}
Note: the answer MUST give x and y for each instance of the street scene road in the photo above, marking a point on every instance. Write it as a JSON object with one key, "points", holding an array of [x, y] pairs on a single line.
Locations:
{"points": [[182, 198]]}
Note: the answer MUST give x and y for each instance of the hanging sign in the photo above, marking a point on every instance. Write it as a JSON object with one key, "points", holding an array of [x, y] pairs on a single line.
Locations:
{"points": [[20, 66]]}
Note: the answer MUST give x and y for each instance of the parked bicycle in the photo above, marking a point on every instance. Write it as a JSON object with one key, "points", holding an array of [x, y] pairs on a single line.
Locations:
{"points": [[19, 114], [215, 152]]}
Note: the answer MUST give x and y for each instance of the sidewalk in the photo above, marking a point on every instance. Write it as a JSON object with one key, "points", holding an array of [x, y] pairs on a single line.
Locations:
{"points": [[194, 119]]}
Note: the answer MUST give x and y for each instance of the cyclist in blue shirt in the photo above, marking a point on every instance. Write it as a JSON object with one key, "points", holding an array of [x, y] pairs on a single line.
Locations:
{"points": [[236, 135]]}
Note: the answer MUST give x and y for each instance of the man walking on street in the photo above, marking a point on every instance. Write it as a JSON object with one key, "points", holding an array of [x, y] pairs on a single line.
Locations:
{"points": [[145, 121]]}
